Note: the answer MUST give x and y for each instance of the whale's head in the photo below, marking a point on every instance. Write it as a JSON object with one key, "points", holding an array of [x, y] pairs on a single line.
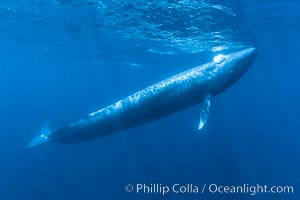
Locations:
{"points": [[229, 68]]}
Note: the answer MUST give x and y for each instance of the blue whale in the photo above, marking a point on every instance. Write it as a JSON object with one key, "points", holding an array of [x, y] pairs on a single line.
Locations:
{"points": [[194, 86]]}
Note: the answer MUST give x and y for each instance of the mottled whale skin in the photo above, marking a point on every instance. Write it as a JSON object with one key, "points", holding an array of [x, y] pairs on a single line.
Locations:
{"points": [[183, 90]]}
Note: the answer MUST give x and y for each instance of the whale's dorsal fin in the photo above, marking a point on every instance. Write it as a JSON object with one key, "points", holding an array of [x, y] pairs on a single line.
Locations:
{"points": [[204, 112]]}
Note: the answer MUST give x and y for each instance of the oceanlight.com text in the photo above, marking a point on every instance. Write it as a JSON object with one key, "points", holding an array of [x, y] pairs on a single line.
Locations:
{"points": [[164, 189]]}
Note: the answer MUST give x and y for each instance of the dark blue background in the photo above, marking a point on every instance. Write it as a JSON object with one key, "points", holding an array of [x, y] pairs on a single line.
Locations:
{"points": [[252, 135]]}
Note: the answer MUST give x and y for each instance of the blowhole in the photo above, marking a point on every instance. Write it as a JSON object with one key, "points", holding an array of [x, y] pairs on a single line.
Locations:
{"points": [[219, 58]]}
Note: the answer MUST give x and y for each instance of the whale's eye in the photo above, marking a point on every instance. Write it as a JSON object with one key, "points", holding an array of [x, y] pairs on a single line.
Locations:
{"points": [[219, 58]]}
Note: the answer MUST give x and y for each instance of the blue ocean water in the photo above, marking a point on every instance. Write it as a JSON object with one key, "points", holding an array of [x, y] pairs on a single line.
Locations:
{"points": [[62, 59]]}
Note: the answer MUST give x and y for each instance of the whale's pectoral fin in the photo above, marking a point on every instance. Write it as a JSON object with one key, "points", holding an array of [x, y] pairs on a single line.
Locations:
{"points": [[204, 112]]}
